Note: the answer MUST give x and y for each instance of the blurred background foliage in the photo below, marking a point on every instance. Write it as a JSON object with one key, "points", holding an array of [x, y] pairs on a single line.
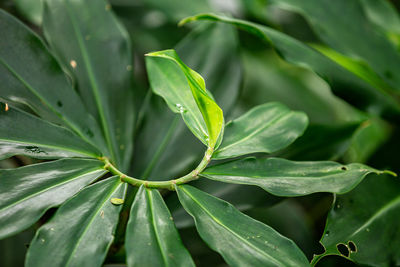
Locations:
{"points": [[350, 120]]}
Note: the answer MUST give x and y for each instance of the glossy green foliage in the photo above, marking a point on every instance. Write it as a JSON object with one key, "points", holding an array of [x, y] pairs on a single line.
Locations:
{"points": [[367, 235], [151, 237], [266, 128], [185, 92], [95, 49], [301, 54], [108, 163], [241, 240], [289, 178], [81, 231], [27, 192], [24, 134]]}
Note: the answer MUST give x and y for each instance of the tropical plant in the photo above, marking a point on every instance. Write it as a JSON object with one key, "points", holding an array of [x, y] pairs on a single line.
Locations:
{"points": [[105, 154]]}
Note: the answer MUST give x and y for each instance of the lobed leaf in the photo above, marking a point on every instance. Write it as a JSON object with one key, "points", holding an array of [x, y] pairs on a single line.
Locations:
{"points": [[151, 236], [27, 192], [265, 128], [94, 47], [184, 91], [81, 231], [25, 134], [241, 240], [282, 177]]}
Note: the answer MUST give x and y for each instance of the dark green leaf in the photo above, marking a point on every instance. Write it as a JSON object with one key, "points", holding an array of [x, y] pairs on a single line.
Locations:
{"points": [[30, 75], [282, 177], [265, 128], [151, 237], [82, 229], [25, 134], [95, 48], [185, 92], [300, 54], [27, 192], [364, 224], [329, 22], [241, 240]]}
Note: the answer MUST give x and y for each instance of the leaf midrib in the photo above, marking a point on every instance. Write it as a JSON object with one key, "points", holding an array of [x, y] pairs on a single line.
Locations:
{"points": [[50, 146], [91, 221], [378, 214], [227, 228], [92, 79], [164, 257], [49, 188], [272, 122]]}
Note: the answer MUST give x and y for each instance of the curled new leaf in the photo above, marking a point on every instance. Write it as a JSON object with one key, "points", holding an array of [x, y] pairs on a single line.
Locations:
{"points": [[184, 91]]}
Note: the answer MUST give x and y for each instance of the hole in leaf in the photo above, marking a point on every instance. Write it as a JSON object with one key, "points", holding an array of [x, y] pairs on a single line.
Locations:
{"points": [[352, 246], [343, 250], [344, 168]]}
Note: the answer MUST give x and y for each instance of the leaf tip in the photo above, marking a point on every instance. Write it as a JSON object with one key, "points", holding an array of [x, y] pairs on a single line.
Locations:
{"points": [[390, 173]]}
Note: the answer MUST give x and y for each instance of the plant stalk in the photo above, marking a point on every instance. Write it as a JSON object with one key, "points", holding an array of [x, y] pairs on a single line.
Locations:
{"points": [[170, 185]]}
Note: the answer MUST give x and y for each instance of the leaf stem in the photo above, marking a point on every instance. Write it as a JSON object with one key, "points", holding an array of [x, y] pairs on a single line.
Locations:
{"points": [[170, 185]]}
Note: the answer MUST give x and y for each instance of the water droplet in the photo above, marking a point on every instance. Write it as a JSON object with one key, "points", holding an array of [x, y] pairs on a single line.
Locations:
{"points": [[367, 229], [180, 108], [52, 229], [59, 103], [327, 233], [42, 240]]}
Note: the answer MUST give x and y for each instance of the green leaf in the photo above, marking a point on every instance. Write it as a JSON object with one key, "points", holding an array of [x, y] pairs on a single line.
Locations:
{"points": [[151, 237], [166, 146], [265, 128], [302, 55], [31, 10], [82, 229], [270, 78], [25, 134], [241, 240], [184, 91], [95, 48], [364, 224], [29, 74], [282, 177], [378, 52], [27, 192]]}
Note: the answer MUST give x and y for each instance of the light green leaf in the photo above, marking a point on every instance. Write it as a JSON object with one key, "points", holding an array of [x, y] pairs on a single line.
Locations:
{"points": [[82, 229], [303, 55], [282, 177], [30, 74], [265, 128], [166, 146], [328, 20], [151, 237], [185, 92], [364, 224], [25, 134], [31, 10], [27, 192], [94, 47], [241, 240]]}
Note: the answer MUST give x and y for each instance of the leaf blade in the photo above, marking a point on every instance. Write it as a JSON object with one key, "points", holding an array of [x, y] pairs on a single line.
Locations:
{"points": [[205, 119], [152, 215], [33, 189], [265, 128], [290, 178], [25, 134], [79, 236], [242, 243]]}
